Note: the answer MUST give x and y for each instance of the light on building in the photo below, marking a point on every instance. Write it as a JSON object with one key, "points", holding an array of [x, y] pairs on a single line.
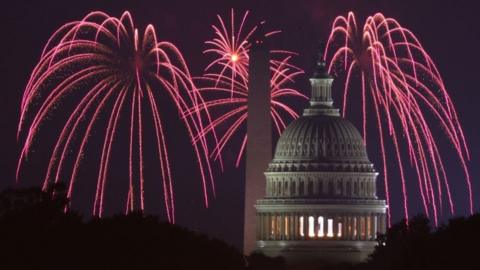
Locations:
{"points": [[287, 226], [301, 227], [330, 227], [321, 231], [311, 226]]}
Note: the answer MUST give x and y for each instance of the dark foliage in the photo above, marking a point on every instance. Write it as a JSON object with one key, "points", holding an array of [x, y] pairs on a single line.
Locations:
{"points": [[258, 261], [36, 233], [416, 246]]}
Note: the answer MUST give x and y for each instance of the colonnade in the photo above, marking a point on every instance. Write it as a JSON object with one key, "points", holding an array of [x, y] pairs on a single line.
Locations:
{"points": [[314, 226]]}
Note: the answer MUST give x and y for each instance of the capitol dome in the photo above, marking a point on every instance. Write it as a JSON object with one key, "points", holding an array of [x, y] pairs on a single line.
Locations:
{"points": [[321, 138], [321, 204], [321, 142]]}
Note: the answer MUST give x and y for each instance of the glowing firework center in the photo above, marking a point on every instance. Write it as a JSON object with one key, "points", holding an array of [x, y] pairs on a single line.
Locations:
{"points": [[321, 203]]}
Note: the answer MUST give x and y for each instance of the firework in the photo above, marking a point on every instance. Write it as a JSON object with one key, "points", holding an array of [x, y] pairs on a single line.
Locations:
{"points": [[400, 80], [225, 85], [113, 70]]}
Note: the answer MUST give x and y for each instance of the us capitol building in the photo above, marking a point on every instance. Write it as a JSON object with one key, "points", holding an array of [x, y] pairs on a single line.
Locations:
{"points": [[321, 203]]}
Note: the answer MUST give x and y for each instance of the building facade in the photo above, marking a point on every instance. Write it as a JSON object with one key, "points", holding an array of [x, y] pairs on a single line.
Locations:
{"points": [[320, 204]]}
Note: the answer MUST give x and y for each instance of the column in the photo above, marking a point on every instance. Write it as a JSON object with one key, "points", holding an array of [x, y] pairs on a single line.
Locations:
{"points": [[350, 227], [347, 227], [281, 226], [361, 226], [305, 226], [354, 227], [258, 228], [374, 226], [292, 226], [368, 224], [383, 226], [265, 226], [371, 232], [268, 226], [272, 227], [335, 227], [296, 227]]}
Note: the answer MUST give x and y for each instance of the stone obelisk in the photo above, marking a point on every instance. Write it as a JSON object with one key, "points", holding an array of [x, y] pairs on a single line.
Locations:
{"points": [[259, 133]]}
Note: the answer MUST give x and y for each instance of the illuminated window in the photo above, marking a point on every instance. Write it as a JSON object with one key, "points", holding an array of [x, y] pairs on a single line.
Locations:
{"points": [[286, 226], [272, 227], [339, 234], [278, 226], [369, 228], [355, 227], [311, 225], [301, 227], [349, 227], [330, 227], [321, 231], [362, 227]]}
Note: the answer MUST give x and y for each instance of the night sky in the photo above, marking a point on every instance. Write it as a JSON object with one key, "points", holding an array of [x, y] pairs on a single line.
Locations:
{"points": [[449, 30]]}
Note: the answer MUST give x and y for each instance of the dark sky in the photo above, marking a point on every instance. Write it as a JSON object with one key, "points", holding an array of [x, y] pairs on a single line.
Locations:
{"points": [[449, 31]]}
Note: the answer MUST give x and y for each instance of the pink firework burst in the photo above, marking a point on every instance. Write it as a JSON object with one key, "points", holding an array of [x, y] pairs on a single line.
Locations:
{"points": [[225, 85], [112, 70], [401, 82]]}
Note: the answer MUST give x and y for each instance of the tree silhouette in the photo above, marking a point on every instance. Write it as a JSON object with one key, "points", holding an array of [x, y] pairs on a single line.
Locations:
{"points": [[416, 246], [38, 231]]}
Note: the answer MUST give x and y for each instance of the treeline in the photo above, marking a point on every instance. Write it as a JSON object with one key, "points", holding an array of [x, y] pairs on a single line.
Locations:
{"points": [[36, 233], [416, 245]]}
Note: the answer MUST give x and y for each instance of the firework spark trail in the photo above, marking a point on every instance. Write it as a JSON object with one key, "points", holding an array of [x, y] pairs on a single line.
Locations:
{"points": [[89, 99], [102, 176], [225, 85], [115, 70], [404, 84]]}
